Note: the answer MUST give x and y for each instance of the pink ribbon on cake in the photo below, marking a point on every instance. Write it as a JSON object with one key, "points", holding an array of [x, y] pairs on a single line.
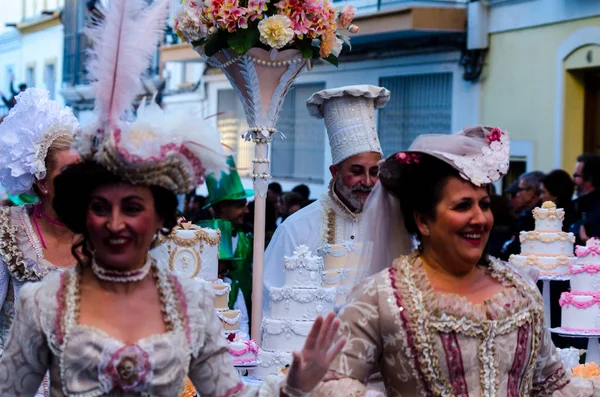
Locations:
{"points": [[587, 250], [590, 269], [566, 299], [250, 347]]}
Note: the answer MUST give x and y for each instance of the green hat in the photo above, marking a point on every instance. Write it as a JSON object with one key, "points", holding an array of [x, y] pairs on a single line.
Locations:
{"points": [[227, 187], [226, 244]]}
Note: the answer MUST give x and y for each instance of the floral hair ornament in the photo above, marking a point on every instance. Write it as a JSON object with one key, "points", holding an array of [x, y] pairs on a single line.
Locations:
{"points": [[170, 148], [26, 135], [408, 158], [481, 154]]}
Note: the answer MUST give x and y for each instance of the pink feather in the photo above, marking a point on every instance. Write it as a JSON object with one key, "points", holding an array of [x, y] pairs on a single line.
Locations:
{"points": [[122, 46]]}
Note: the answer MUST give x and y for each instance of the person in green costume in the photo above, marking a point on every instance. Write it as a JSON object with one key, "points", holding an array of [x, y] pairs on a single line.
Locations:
{"points": [[229, 201]]}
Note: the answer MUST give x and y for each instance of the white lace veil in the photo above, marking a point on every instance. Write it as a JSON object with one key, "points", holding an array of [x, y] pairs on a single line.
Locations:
{"points": [[480, 154], [382, 233]]}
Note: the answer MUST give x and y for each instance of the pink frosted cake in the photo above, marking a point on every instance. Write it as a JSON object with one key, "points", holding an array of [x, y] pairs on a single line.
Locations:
{"points": [[243, 352], [581, 306]]}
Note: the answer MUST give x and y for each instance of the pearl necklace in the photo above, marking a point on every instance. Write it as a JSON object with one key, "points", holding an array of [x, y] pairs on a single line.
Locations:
{"points": [[117, 276]]}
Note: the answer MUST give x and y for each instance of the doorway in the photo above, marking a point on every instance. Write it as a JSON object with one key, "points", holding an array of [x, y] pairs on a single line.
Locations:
{"points": [[591, 118]]}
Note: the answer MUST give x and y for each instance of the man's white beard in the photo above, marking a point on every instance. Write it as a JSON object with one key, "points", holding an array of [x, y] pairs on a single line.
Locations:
{"points": [[355, 200]]}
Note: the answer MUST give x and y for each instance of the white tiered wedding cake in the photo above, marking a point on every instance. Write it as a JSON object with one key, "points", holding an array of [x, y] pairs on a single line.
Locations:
{"points": [[193, 252], [294, 308], [547, 248], [581, 306]]}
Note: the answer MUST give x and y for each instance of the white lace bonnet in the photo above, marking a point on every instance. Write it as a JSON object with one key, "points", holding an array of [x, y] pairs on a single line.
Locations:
{"points": [[173, 148], [26, 134], [349, 114], [481, 154]]}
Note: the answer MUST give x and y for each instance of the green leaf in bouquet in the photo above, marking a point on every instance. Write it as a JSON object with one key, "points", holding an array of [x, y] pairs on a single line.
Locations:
{"points": [[332, 59], [242, 40], [305, 47], [215, 43]]}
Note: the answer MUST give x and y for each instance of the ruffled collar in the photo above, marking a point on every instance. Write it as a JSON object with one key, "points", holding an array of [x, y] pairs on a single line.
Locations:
{"points": [[20, 247], [516, 296]]}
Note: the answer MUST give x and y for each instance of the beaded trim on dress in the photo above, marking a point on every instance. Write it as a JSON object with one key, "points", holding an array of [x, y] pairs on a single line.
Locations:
{"points": [[21, 267]]}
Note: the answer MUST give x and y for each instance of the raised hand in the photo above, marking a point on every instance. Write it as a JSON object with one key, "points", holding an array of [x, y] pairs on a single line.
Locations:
{"points": [[310, 366]]}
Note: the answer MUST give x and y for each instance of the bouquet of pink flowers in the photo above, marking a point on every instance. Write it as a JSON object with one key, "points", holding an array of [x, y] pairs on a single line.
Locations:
{"points": [[311, 26]]}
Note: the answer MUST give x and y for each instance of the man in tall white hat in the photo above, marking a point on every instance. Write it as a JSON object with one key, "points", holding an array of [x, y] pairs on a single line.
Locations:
{"points": [[330, 225]]}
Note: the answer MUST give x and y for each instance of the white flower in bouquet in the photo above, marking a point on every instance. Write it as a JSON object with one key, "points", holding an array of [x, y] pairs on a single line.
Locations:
{"points": [[276, 31], [337, 47], [189, 22]]}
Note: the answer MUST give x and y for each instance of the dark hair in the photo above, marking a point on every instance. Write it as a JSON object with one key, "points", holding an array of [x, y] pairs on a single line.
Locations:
{"points": [[532, 180], [303, 190], [418, 186], [74, 188], [591, 168], [559, 184], [275, 187]]}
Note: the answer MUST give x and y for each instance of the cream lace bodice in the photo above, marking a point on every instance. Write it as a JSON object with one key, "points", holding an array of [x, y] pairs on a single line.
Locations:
{"points": [[86, 362], [429, 344]]}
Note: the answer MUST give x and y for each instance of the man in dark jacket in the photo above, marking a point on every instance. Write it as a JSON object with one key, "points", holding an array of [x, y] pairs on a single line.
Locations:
{"points": [[587, 203], [528, 194]]}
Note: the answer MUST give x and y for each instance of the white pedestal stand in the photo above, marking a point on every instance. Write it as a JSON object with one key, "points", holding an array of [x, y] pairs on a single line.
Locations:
{"points": [[593, 348], [546, 293]]}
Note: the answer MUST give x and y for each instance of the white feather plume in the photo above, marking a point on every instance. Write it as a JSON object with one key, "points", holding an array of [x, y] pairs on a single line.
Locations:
{"points": [[155, 127], [123, 45]]}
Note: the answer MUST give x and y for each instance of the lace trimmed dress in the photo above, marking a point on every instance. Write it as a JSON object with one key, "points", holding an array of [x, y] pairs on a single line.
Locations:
{"points": [[426, 343], [21, 260], [86, 362]]}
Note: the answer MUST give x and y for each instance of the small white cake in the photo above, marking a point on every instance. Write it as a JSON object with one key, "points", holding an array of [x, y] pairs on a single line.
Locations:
{"points": [[244, 352], [581, 306], [547, 247], [190, 252]]}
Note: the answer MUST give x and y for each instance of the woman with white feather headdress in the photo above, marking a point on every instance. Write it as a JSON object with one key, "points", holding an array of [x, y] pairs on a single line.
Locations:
{"points": [[116, 324]]}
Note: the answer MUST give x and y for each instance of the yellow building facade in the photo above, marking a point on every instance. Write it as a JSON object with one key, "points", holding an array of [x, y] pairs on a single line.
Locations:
{"points": [[542, 84]]}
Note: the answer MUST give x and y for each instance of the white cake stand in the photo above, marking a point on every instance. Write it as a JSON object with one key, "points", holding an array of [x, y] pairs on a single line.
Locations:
{"points": [[593, 348], [545, 279]]}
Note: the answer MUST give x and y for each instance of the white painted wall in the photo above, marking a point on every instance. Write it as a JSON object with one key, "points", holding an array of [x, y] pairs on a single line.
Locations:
{"points": [[40, 48], [519, 14]]}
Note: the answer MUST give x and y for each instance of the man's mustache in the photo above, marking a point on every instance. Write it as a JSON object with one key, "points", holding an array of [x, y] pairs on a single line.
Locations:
{"points": [[362, 189]]}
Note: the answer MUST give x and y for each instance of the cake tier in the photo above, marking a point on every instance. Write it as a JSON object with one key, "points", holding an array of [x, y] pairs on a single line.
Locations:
{"points": [[190, 253], [341, 276], [230, 319], [243, 352], [342, 280], [271, 363], [221, 290], [303, 270], [339, 256], [301, 303], [585, 278], [590, 253], [548, 265], [547, 244], [580, 311], [549, 219], [287, 335]]}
